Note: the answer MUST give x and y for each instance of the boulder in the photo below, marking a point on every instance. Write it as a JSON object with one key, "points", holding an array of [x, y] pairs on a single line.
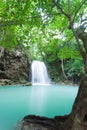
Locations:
{"points": [[32, 122]]}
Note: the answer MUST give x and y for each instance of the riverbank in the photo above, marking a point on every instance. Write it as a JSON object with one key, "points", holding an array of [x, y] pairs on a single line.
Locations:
{"points": [[4, 82], [68, 82]]}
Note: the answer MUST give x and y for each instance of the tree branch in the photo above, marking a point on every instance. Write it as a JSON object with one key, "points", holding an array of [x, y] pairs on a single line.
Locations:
{"points": [[20, 21], [69, 8], [84, 20], [77, 10], [82, 52], [60, 8], [1, 52], [8, 23], [70, 38]]}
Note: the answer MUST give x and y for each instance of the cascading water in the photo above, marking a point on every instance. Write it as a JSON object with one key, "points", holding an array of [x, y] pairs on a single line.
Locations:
{"points": [[39, 73]]}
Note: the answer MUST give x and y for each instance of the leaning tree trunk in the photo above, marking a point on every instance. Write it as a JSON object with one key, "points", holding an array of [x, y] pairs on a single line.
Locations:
{"points": [[78, 116]]}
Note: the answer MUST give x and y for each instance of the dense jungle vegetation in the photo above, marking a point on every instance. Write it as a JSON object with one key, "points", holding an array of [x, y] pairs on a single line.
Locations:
{"points": [[54, 31], [45, 30]]}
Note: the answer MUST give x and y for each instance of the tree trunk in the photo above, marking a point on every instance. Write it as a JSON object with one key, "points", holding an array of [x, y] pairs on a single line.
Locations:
{"points": [[62, 65], [78, 116], [1, 52]]}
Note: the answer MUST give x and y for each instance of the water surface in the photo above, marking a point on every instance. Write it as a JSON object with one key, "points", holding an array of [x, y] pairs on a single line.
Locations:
{"points": [[18, 101]]}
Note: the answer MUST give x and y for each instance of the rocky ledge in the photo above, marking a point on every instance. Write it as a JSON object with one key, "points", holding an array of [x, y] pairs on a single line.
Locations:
{"points": [[32, 122], [5, 82]]}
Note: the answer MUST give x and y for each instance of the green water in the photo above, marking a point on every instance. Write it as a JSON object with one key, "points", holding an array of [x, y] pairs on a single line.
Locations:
{"points": [[18, 101]]}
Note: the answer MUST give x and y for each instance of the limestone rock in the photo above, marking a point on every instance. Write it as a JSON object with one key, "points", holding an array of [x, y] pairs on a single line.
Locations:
{"points": [[5, 82], [14, 66]]}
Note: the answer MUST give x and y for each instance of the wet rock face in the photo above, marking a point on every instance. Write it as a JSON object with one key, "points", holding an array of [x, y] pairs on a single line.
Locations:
{"points": [[14, 66]]}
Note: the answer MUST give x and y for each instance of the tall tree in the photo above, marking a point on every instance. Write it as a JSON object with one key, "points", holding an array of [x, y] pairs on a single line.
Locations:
{"points": [[69, 17], [75, 11]]}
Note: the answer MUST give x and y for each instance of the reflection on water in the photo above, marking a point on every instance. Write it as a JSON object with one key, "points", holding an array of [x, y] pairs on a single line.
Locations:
{"points": [[17, 101]]}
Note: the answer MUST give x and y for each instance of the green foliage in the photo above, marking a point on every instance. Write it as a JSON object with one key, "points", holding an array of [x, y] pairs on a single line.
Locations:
{"points": [[67, 52], [42, 28], [74, 67], [8, 37]]}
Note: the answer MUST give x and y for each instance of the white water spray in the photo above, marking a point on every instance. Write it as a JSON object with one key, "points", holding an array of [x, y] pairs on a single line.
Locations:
{"points": [[39, 73]]}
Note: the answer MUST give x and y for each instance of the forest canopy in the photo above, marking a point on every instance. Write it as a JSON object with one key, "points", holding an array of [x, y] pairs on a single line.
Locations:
{"points": [[46, 30]]}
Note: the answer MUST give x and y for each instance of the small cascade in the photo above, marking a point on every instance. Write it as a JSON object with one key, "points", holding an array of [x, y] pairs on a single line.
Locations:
{"points": [[39, 73]]}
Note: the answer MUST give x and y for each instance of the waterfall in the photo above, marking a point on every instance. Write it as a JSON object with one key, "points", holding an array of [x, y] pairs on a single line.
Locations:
{"points": [[39, 73]]}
